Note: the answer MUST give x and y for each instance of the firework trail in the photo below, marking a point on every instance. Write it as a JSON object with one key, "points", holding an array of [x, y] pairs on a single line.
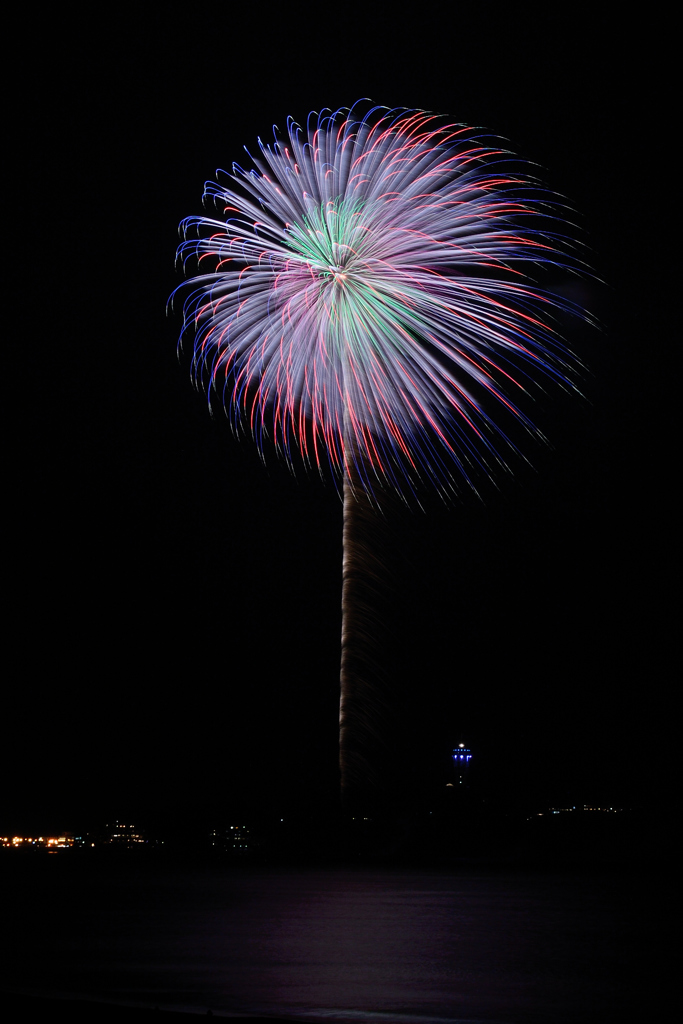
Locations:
{"points": [[361, 298]]}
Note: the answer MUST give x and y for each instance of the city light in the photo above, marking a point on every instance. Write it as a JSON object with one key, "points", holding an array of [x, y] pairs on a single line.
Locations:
{"points": [[63, 842]]}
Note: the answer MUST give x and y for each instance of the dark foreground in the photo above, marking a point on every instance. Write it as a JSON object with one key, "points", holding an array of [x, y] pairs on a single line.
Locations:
{"points": [[136, 941], [20, 1008]]}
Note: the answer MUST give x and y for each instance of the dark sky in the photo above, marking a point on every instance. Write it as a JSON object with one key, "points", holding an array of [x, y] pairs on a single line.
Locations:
{"points": [[175, 606]]}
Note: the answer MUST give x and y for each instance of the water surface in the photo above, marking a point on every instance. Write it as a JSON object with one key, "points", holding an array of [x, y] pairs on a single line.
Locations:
{"points": [[356, 945]]}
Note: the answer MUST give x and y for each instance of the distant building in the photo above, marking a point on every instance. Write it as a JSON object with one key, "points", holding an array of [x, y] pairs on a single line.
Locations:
{"points": [[236, 840], [461, 757], [120, 834]]}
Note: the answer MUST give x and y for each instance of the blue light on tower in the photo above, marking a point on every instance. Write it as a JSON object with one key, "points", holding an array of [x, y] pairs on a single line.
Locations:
{"points": [[462, 756]]}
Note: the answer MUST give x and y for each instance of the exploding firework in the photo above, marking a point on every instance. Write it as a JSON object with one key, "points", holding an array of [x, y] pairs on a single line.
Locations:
{"points": [[366, 295], [363, 298]]}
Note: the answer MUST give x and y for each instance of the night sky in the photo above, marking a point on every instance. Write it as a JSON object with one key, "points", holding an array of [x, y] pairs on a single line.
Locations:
{"points": [[175, 605]]}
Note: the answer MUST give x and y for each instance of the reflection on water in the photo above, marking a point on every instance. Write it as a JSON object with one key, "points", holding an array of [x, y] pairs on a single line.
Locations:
{"points": [[341, 944]]}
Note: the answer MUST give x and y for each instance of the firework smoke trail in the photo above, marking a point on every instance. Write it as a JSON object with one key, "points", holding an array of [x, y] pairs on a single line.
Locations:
{"points": [[364, 303]]}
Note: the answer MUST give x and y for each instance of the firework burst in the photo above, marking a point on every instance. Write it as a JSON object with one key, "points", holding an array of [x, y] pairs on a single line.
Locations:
{"points": [[366, 295]]}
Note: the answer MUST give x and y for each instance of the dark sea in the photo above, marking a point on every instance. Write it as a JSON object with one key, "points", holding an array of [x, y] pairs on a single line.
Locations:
{"points": [[365, 944]]}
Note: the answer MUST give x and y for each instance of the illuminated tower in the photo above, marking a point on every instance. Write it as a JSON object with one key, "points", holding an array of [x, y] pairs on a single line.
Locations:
{"points": [[462, 757]]}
